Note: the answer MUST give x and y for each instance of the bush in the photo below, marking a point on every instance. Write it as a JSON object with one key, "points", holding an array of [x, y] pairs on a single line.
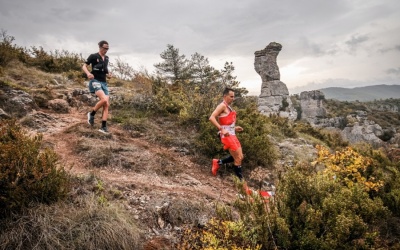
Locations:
{"points": [[219, 234], [312, 209], [332, 139], [257, 146], [324, 213], [284, 126], [384, 167], [27, 173], [349, 167], [55, 62], [8, 51]]}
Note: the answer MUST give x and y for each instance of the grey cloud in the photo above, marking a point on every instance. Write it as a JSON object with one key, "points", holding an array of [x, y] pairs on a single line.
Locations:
{"points": [[356, 43], [384, 50], [307, 47], [72, 15], [356, 40], [393, 71], [221, 30]]}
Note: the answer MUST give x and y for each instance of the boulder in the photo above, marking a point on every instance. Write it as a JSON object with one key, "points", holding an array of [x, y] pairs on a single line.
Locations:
{"points": [[16, 103], [59, 105]]}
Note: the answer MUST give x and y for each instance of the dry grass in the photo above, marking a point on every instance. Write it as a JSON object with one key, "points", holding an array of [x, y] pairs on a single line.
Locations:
{"points": [[111, 150], [28, 77], [81, 224], [106, 154]]}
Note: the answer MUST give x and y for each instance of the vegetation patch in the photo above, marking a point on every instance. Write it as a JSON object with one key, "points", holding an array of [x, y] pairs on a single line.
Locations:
{"points": [[27, 173]]}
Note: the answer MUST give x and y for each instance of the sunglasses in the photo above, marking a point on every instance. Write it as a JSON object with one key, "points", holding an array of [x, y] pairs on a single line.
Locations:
{"points": [[104, 48]]}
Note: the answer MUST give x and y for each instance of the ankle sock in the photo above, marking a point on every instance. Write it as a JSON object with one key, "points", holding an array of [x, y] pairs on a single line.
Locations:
{"points": [[92, 113], [103, 124]]}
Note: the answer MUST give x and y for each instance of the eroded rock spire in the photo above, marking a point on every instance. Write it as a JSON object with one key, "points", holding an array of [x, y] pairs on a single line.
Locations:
{"points": [[274, 97]]}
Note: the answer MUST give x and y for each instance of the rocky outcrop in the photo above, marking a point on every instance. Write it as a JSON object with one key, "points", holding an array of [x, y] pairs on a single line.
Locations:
{"points": [[360, 129], [338, 122], [274, 97], [16, 103], [312, 108], [59, 105], [354, 128]]}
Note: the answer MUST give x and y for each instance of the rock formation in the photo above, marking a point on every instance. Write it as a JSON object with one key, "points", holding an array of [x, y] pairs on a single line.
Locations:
{"points": [[311, 105], [274, 97], [360, 129], [16, 103]]}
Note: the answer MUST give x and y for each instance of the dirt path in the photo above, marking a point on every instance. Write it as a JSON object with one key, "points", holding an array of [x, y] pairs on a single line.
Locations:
{"points": [[190, 180]]}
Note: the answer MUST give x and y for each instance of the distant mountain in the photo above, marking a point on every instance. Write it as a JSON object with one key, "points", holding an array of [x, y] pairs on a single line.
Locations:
{"points": [[367, 93]]}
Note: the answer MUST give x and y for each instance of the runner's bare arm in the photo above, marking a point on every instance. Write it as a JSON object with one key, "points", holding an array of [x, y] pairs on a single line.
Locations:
{"points": [[213, 118], [238, 129], [88, 74]]}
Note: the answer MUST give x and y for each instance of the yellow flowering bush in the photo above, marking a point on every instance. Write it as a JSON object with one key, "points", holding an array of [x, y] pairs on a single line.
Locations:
{"points": [[348, 166]]}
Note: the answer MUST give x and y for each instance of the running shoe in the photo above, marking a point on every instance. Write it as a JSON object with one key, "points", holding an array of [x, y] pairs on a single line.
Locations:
{"points": [[90, 119], [215, 167], [104, 130]]}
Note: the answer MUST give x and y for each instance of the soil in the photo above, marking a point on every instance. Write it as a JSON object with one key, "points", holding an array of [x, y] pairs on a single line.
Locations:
{"points": [[206, 185]]}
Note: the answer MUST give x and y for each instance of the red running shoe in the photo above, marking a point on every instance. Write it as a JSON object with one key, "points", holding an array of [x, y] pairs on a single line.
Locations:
{"points": [[247, 189], [215, 167]]}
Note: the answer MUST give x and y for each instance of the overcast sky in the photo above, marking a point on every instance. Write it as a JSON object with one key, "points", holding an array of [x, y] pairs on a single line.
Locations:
{"points": [[342, 43]]}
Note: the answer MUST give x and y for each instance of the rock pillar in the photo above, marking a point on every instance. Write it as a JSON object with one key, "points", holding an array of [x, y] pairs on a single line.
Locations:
{"points": [[274, 97]]}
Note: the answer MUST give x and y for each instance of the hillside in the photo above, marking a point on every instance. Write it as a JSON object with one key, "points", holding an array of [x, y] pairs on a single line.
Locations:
{"points": [[149, 167], [362, 94], [145, 174], [148, 185]]}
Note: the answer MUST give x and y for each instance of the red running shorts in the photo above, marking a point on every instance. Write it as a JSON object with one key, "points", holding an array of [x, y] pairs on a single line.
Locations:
{"points": [[231, 142]]}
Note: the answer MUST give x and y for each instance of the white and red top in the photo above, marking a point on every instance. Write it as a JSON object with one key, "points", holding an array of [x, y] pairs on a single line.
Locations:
{"points": [[228, 121]]}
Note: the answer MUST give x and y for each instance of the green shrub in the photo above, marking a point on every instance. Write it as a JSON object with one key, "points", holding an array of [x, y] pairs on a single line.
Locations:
{"points": [[283, 125], [208, 142], [311, 209], [257, 146], [27, 173], [384, 166], [331, 138], [55, 61], [8, 51], [169, 101], [323, 213], [219, 234]]}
